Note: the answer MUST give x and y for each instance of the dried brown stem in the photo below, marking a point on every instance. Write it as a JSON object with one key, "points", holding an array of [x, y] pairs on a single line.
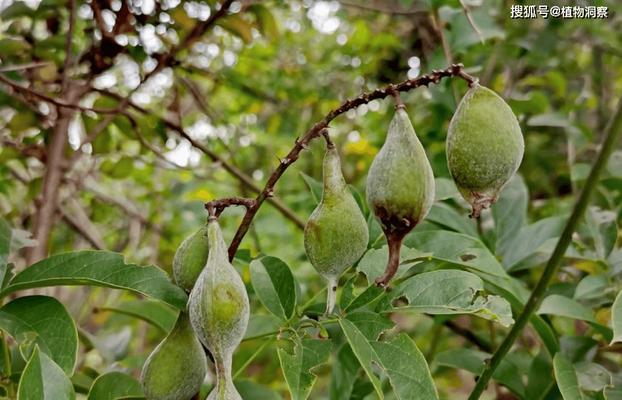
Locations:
{"points": [[216, 207], [455, 70]]}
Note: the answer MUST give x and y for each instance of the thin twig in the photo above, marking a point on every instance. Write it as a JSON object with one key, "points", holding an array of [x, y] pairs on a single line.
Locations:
{"points": [[216, 207], [455, 70], [612, 134], [382, 9], [467, 13]]}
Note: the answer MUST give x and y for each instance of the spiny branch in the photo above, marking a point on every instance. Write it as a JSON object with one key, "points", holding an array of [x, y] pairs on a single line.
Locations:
{"points": [[455, 70]]}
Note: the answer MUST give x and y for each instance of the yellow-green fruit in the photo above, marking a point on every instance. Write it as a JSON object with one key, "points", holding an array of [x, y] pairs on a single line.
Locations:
{"points": [[484, 147], [219, 311], [400, 187], [176, 368], [190, 258], [336, 233]]}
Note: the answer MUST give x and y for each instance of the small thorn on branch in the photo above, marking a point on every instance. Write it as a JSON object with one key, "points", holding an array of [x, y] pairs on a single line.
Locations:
{"points": [[216, 207]]}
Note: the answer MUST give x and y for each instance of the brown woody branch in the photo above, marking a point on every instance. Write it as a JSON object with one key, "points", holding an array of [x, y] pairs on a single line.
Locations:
{"points": [[215, 207], [455, 70]]}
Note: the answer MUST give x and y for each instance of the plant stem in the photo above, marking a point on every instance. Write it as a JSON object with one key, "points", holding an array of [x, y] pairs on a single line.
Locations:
{"points": [[331, 295], [251, 358], [611, 135]]}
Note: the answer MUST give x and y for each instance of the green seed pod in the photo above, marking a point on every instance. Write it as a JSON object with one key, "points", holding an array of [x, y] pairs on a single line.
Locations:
{"points": [[190, 259], [176, 368], [219, 311], [484, 147], [336, 233], [400, 187]]}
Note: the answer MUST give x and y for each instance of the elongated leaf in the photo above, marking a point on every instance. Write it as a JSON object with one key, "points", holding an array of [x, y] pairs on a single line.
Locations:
{"points": [[474, 361], [298, 366], [115, 386], [374, 262], [98, 268], [370, 324], [562, 306], [157, 313], [447, 217], [275, 286], [406, 368], [343, 378], [456, 248], [42, 379], [592, 377], [45, 319], [616, 319], [399, 359], [251, 390], [566, 378], [530, 242], [450, 292], [510, 213]]}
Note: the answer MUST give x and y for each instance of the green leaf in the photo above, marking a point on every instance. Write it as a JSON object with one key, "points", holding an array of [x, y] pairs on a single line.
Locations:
{"points": [[370, 294], [374, 262], [267, 22], [298, 366], [399, 358], [406, 368], [98, 268], [45, 319], [370, 324], [592, 287], [15, 10], [603, 229], [566, 377], [42, 379], [314, 185], [363, 351], [592, 377], [114, 386], [238, 26], [447, 292], [616, 319], [251, 390], [613, 393], [343, 377], [456, 248], [275, 286], [5, 247], [530, 241], [260, 325], [510, 212], [474, 361], [158, 314], [563, 306], [447, 217], [445, 189]]}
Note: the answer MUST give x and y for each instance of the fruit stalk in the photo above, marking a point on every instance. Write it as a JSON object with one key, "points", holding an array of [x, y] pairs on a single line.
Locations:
{"points": [[612, 134]]}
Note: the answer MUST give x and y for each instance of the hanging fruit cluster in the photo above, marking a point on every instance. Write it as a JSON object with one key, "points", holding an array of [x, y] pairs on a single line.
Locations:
{"points": [[484, 149], [217, 317]]}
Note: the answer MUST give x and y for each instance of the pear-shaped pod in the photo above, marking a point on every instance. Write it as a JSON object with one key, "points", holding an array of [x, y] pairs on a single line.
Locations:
{"points": [[190, 258], [219, 311], [484, 147], [336, 234], [400, 187], [176, 368]]}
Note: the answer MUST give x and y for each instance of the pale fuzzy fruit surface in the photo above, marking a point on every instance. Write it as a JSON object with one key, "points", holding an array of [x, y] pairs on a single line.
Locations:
{"points": [[190, 258], [176, 368], [484, 146], [219, 310], [400, 182], [336, 233]]}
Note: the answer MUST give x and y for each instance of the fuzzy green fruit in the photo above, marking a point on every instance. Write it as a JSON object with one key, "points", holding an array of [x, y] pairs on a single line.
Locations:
{"points": [[400, 187], [484, 147], [336, 233], [190, 258], [219, 311], [176, 368]]}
